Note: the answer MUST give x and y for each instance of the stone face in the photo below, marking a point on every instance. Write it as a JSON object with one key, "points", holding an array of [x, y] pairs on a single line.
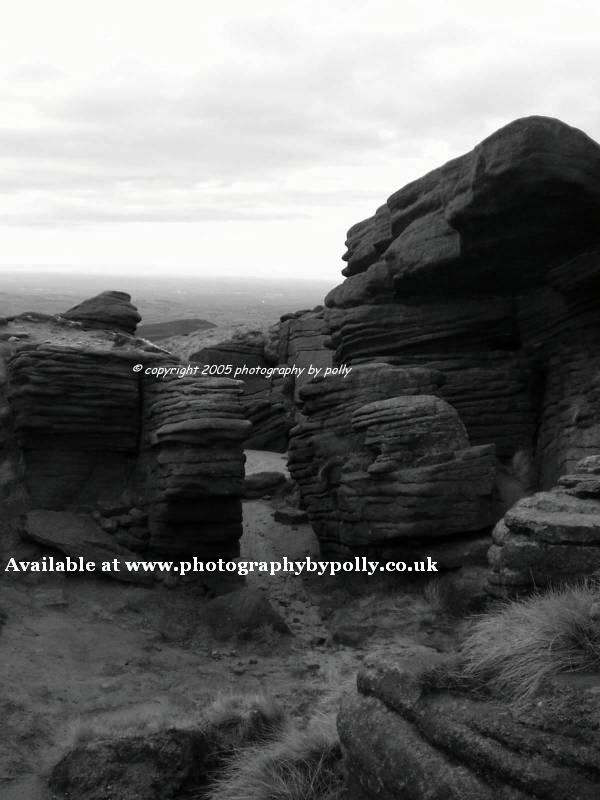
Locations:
{"points": [[151, 767], [111, 310], [158, 460], [300, 338], [270, 402], [487, 270], [76, 420], [396, 471], [193, 434], [169, 764], [78, 535], [404, 734], [264, 401], [526, 170], [549, 537]]}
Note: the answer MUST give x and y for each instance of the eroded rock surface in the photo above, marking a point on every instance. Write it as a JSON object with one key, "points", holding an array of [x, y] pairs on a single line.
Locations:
{"points": [[298, 339], [89, 426], [111, 310], [406, 734], [551, 536], [485, 273], [396, 474], [192, 449], [487, 270], [171, 763]]}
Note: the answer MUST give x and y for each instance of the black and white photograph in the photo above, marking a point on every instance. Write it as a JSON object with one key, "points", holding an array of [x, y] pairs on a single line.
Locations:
{"points": [[300, 400]]}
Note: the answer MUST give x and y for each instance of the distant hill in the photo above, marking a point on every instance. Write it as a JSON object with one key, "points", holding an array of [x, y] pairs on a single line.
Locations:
{"points": [[176, 327]]}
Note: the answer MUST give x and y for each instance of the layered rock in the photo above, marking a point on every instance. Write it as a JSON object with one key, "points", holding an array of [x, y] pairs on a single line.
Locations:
{"points": [[487, 270], [193, 435], [406, 734], [77, 535], [300, 338], [269, 397], [92, 425], [550, 537], [107, 310], [266, 404], [76, 416], [396, 475], [12, 493]]}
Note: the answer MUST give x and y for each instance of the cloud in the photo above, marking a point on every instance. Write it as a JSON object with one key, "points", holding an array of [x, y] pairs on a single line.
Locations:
{"points": [[278, 116]]}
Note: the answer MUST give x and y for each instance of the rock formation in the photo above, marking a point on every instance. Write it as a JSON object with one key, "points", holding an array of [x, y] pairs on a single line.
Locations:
{"points": [[299, 338], [266, 404], [484, 269], [166, 764], [407, 733], [269, 402], [107, 310], [396, 474], [486, 272], [191, 446], [156, 462], [549, 537]]}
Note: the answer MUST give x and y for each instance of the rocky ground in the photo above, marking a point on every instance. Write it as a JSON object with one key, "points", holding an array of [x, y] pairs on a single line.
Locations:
{"points": [[82, 656]]}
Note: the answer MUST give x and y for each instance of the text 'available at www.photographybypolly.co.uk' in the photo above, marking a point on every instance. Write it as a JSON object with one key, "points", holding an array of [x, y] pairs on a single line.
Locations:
{"points": [[358, 564]]}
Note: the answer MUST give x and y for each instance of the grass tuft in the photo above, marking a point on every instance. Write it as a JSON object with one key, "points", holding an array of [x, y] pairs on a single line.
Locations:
{"points": [[244, 719], [301, 765], [516, 648]]}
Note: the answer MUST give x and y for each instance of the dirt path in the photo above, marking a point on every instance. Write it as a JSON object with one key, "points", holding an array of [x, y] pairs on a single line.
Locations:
{"points": [[85, 656]]}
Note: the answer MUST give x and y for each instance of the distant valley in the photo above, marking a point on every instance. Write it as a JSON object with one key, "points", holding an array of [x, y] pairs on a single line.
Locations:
{"points": [[186, 303]]}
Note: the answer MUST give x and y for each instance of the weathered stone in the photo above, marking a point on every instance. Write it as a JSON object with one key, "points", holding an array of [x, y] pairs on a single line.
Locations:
{"points": [[298, 340], [290, 516], [550, 537], [405, 735], [259, 484], [397, 469], [77, 535], [168, 764], [485, 269], [81, 428], [242, 614], [112, 310]]}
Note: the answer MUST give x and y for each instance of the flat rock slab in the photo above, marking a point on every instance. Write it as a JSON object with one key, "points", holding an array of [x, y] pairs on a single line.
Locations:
{"points": [[265, 461], [259, 484], [78, 535]]}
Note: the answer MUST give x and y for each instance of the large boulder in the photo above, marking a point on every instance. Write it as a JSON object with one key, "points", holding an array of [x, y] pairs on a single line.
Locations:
{"points": [[487, 270], [550, 537], [399, 469], [97, 421], [74, 407], [409, 732], [168, 764], [192, 465], [112, 310], [79, 536]]}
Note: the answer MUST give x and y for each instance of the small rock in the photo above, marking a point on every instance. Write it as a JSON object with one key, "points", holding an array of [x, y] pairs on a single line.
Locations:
{"points": [[290, 516], [259, 484], [242, 613], [351, 634]]}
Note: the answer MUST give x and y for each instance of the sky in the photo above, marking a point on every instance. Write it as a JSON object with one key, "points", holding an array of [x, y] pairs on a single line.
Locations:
{"points": [[245, 138]]}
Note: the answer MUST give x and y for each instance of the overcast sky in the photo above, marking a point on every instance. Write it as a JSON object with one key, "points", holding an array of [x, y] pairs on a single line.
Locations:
{"points": [[246, 137]]}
